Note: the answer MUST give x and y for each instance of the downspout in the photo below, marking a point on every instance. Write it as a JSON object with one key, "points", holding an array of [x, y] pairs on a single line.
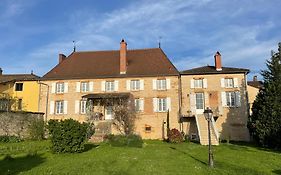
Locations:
{"points": [[180, 99]]}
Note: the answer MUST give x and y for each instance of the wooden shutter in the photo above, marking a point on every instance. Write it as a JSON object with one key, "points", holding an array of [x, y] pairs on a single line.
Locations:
{"points": [[77, 106], [235, 82], [52, 107], [141, 104], [77, 86], [168, 83], [222, 82], [65, 107], [205, 83], [141, 84], [237, 99], [223, 98], [192, 99], [155, 104], [154, 84], [116, 83], [192, 83], [103, 86], [53, 88], [169, 104], [65, 87], [91, 86], [128, 85], [206, 99]]}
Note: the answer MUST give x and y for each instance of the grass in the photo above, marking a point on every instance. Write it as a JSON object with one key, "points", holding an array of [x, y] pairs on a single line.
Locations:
{"points": [[155, 157]]}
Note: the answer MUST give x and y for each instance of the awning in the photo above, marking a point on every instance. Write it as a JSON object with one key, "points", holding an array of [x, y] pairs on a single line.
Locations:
{"points": [[107, 95]]}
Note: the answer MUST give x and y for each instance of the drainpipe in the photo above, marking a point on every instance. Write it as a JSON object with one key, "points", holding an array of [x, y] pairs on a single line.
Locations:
{"points": [[180, 99], [47, 99]]}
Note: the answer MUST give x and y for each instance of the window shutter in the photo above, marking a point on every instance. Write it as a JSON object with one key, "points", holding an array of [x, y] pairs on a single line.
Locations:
{"points": [[222, 82], [192, 83], [205, 83], [52, 107], [237, 99], [53, 88], [77, 105], [77, 86], [65, 87], [91, 86], [154, 84], [169, 104], [155, 104], [141, 84], [116, 83], [103, 86], [220, 110], [65, 107], [235, 81], [141, 104], [128, 85], [168, 82], [223, 99], [192, 103], [206, 97]]}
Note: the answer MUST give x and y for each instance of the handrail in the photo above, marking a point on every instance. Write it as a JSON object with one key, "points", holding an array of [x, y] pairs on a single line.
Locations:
{"points": [[197, 123]]}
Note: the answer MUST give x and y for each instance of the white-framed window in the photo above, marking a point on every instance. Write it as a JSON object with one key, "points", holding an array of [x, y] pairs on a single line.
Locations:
{"points": [[135, 85], [139, 104], [59, 107], [83, 105], [109, 86], [230, 99], [85, 86], [161, 84], [162, 105], [198, 83], [199, 100], [228, 82], [59, 88]]}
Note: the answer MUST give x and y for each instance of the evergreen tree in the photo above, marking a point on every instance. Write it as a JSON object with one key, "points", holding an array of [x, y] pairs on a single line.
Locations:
{"points": [[265, 122]]}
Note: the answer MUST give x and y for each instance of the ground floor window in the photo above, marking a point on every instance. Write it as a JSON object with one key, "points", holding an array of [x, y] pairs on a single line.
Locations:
{"points": [[83, 106], [59, 107], [230, 99], [199, 100]]}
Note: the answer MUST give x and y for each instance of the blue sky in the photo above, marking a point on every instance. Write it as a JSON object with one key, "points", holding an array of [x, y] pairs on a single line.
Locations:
{"points": [[34, 32]]}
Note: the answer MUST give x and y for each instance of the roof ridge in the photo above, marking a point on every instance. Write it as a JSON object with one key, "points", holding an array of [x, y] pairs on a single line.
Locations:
{"points": [[89, 51]]}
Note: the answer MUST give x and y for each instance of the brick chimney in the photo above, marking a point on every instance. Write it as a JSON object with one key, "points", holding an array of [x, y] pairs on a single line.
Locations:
{"points": [[62, 57], [218, 61], [1, 71], [123, 57]]}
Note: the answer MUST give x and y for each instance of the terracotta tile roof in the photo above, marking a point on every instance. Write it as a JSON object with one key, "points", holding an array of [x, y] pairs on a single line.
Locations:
{"points": [[256, 84], [105, 64], [17, 77], [212, 70]]}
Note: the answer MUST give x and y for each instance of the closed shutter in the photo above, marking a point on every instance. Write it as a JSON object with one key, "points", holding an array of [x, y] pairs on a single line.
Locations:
{"points": [[65, 87], [155, 104], [103, 86], [192, 83], [235, 82], [65, 107], [52, 107], [205, 83], [141, 104], [128, 85], [53, 88], [141, 84], [206, 99], [192, 100], [77, 86], [116, 83], [91, 86], [154, 86], [222, 82], [168, 82], [169, 104], [237, 99], [77, 106], [223, 99]]}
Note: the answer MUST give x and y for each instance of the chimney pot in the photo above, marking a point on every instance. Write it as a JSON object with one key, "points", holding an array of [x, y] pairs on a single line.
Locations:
{"points": [[218, 61], [255, 78], [62, 57], [123, 57]]}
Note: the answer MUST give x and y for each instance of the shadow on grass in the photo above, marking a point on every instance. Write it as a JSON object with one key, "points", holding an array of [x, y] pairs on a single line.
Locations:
{"points": [[194, 158], [277, 172], [89, 146], [17, 165], [246, 145]]}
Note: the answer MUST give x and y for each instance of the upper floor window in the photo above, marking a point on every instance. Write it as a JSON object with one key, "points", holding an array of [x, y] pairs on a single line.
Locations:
{"points": [[228, 82], [84, 86], [199, 97], [109, 86], [59, 107], [135, 84], [198, 83], [60, 88], [19, 86], [161, 84]]}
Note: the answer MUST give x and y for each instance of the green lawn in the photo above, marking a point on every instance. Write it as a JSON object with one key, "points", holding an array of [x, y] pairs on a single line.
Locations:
{"points": [[155, 157]]}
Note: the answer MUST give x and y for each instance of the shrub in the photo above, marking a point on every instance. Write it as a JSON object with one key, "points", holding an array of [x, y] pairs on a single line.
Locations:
{"points": [[36, 129], [9, 139], [174, 136], [68, 136], [123, 140]]}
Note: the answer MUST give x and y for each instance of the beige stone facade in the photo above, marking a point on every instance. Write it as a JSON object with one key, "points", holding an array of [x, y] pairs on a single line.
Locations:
{"points": [[147, 117], [252, 93], [230, 114]]}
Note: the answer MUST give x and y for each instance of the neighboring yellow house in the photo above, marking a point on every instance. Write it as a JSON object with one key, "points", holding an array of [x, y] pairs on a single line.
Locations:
{"points": [[23, 88], [253, 88]]}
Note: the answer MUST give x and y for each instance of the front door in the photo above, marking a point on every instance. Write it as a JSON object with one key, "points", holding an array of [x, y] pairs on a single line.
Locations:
{"points": [[108, 113]]}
